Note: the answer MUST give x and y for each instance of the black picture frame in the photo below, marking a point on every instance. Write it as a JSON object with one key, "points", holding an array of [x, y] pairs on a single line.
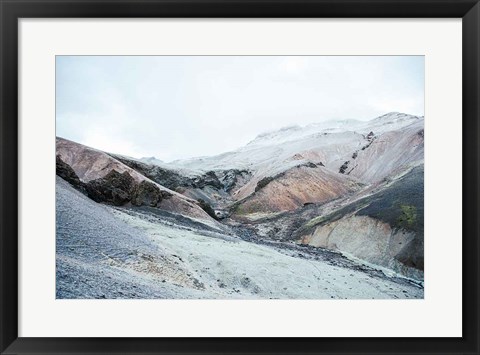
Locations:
{"points": [[12, 10]]}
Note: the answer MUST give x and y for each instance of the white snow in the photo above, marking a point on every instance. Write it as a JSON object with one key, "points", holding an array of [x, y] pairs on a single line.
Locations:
{"points": [[328, 142]]}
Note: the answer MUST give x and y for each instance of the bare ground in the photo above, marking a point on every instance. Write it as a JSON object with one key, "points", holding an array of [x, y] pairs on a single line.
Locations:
{"points": [[106, 252]]}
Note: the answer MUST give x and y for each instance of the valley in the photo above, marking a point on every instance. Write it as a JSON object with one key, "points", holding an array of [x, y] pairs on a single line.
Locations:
{"points": [[326, 211]]}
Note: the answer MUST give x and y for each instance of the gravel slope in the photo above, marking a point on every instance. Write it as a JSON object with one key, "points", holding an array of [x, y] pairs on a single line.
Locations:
{"points": [[105, 252]]}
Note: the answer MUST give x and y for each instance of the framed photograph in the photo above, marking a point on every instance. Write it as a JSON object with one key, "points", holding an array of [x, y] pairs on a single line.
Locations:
{"points": [[239, 177]]}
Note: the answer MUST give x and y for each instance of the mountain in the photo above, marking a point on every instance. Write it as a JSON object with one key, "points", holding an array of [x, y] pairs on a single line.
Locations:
{"points": [[330, 159], [350, 187], [106, 179], [329, 142], [151, 160]]}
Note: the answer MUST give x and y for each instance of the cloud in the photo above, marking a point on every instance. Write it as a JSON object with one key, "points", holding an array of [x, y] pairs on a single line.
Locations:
{"points": [[179, 107], [293, 65]]}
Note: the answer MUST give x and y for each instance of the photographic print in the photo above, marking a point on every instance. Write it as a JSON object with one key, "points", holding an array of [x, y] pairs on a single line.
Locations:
{"points": [[239, 177]]}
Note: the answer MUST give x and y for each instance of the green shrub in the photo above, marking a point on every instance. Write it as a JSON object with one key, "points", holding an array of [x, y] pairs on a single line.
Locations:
{"points": [[408, 218]]}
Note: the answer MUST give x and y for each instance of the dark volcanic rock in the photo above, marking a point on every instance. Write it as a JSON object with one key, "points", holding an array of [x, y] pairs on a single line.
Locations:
{"points": [[370, 138], [208, 179], [231, 178], [309, 165], [268, 179], [118, 189], [147, 194], [114, 188], [168, 178], [224, 180], [344, 167], [66, 172], [264, 182], [207, 208]]}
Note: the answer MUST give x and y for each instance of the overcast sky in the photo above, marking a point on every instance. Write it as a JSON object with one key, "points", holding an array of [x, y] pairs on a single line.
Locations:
{"points": [[181, 107]]}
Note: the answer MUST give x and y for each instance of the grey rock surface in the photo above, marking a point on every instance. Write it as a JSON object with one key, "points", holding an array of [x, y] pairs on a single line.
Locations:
{"points": [[109, 252]]}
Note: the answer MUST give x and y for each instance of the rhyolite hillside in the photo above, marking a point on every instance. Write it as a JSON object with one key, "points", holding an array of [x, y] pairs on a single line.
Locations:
{"points": [[350, 186]]}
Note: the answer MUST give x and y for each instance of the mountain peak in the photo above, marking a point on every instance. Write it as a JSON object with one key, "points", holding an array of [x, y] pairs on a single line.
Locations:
{"points": [[389, 120], [394, 116], [151, 160]]}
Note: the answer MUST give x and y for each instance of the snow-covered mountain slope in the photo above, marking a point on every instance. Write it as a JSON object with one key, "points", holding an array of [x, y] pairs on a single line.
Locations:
{"points": [[388, 122], [366, 151], [328, 142], [389, 153], [151, 161]]}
